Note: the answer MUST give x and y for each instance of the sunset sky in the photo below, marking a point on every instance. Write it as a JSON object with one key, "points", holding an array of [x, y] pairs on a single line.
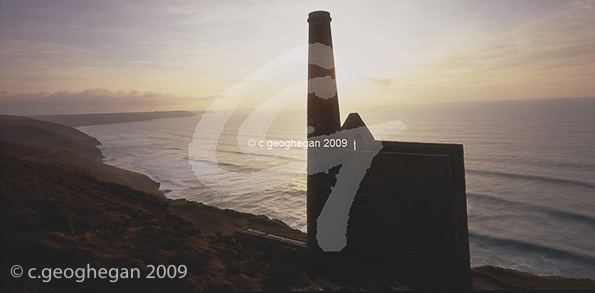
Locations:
{"points": [[86, 56]]}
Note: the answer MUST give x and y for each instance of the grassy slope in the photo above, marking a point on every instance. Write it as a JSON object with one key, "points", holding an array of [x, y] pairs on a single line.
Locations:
{"points": [[212, 220], [53, 217], [67, 160]]}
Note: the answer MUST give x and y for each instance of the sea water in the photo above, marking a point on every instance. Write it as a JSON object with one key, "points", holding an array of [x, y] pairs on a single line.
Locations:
{"points": [[530, 172]]}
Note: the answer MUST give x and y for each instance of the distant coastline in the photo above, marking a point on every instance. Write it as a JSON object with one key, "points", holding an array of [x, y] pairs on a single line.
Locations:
{"points": [[108, 118]]}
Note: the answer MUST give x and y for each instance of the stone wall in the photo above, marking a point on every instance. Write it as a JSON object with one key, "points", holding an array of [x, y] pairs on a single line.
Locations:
{"points": [[409, 216]]}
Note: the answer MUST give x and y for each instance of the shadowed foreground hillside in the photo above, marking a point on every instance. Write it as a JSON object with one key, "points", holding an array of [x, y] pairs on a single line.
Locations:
{"points": [[52, 217], [60, 210]]}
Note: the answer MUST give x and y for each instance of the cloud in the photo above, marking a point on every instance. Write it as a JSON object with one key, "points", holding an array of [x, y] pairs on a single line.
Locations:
{"points": [[35, 55], [381, 82], [547, 55], [95, 101]]}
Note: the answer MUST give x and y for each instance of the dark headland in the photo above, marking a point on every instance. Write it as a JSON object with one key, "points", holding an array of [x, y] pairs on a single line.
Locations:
{"points": [[62, 207], [108, 118]]}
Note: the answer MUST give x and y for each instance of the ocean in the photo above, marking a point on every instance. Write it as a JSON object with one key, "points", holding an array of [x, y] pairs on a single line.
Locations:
{"points": [[530, 170]]}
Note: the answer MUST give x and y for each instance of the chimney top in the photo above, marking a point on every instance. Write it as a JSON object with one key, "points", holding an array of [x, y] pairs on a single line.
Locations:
{"points": [[319, 15]]}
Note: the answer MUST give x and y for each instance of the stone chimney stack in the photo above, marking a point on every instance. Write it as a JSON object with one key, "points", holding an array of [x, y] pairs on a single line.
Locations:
{"points": [[323, 103], [323, 115]]}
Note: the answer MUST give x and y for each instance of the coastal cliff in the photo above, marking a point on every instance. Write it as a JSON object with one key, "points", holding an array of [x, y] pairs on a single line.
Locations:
{"points": [[62, 207]]}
